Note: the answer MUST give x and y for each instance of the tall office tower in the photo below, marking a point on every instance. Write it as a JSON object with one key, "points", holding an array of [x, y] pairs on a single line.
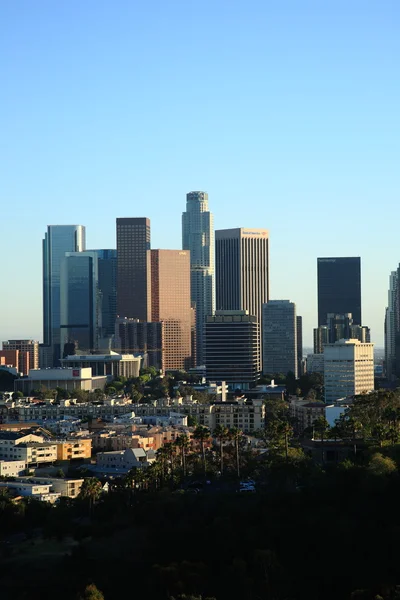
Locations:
{"points": [[390, 326], [339, 288], [233, 348], [339, 326], [58, 240], [321, 337], [28, 354], [361, 333], [279, 334], [80, 314], [107, 272], [170, 290], [198, 238], [299, 333], [133, 268], [242, 270], [348, 369], [145, 338]]}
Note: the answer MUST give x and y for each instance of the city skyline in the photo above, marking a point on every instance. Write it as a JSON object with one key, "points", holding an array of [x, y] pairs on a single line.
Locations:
{"points": [[287, 116]]}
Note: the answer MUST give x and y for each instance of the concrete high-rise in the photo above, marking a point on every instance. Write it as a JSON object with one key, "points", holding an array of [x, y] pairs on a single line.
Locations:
{"points": [[58, 240], [28, 354], [233, 348], [198, 238], [339, 288], [80, 315], [279, 335], [170, 294], [242, 270], [348, 369], [299, 334], [133, 268]]}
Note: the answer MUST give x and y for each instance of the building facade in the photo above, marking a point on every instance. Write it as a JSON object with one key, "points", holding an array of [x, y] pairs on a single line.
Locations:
{"points": [[242, 270], [133, 268], [198, 238], [279, 335], [144, 338], [65, 378], [107, 285], [111, 365], [299, 344], [171, 304], [58, 240], [80, 314], [391, 320], [348, 369], [25, 347], [233, 348], [339, 288]]}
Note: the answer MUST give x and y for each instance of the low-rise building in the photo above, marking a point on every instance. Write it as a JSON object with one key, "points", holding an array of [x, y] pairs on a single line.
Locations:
{"points": [[120, 462], [29, 448], [12, 468], [39, 411], [305, 413], [75, 448], [69, 488], [110, 365], [66, 378], [247, 415]]}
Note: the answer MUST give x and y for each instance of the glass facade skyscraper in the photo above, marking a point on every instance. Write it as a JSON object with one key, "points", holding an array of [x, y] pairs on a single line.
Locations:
{"points": [[339, 288], [107, 272], [80, 314], [58, 240], [198, 238]]}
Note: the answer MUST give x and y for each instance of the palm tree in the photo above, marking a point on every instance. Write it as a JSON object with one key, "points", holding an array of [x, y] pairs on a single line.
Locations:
{"points": [[162, 456], [221, 433], [202, 434], [182, 442], [170, 453], [236, 434], [321, 425], [91, 490]]}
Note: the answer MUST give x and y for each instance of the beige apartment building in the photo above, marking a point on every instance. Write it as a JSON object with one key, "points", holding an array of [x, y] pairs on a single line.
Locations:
{"points": [[74, 449], [348, 369], [28, 357]]}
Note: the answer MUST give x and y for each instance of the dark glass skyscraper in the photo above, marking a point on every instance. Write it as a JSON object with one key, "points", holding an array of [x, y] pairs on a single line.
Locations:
{"points": [[339, 288], [107, 269], [133, 268]]}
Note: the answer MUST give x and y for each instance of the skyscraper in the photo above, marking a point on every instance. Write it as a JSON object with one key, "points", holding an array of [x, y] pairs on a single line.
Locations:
{"points": [[198, 238], [170, 287], [339, 288], [392, 327], [58, 240], [133, 268], [299, 333], [107, 272], [233, 348], [242, 270], [279, 334], [80, 315]]}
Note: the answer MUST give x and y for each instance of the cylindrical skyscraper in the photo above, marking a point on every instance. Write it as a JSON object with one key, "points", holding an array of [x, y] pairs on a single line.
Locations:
{"points": [[198, 237]]}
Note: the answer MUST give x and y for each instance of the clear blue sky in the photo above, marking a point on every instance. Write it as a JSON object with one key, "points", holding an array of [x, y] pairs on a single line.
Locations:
{"points": [[286, 112]]}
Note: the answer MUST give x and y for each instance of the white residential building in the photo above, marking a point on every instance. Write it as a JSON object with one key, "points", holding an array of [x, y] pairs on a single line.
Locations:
{"points": [[12, 468], [348, 369], [69, 488], [31, 449], [35, 490], [124, 460]]}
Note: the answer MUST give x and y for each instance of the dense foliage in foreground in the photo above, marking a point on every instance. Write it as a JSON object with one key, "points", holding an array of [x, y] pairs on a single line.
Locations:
{"points": [[333, 536]]}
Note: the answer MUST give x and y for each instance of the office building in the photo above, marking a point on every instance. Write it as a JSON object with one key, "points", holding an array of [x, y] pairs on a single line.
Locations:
{"points": [[107, 286], [279, 335], [339, 288], [58, 240], [28, 354], [170, 287], [321, 337], [339, 327], [233, 348], [141, 338], [111, 365], [242, 270], [315, 363], [133, 268], [299, 334], [391, 324], [80, 316], [348, 369], [198, 238], [65, 378]]}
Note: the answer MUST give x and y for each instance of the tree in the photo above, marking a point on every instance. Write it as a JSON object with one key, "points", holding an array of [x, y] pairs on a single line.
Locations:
{"points": [[202, 434], [236, 434], [182, 442], [321, 426], [91, 592], [221, 433], [191, 421], [381, 465], [91, 491], [17, 395]]}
